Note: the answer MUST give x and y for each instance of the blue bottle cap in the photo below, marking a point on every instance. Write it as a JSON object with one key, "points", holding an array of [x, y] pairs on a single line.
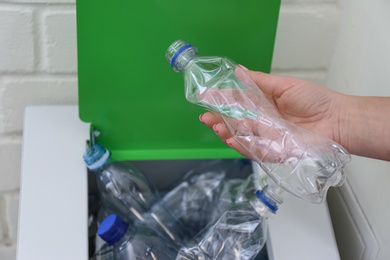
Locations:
{"points": [[96, 156], [272, 206], [112, 229]]}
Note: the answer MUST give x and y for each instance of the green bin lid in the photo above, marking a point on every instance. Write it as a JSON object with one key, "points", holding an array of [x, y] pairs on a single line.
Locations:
{"points": [[128, 91]]}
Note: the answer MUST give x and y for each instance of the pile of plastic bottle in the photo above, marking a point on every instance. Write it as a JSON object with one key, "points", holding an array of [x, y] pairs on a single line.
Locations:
{"points": [[207, 214]]}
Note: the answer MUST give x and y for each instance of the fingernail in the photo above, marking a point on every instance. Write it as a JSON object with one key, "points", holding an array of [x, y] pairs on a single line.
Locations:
{"points": [[201, 119], [243, 67], [215, 129], [228, 142]]}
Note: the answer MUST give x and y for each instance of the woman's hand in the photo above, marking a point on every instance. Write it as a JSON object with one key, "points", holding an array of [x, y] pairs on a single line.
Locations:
{"points": [[305, 104]]}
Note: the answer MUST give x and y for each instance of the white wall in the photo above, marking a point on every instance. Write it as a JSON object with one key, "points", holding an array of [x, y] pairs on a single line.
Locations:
{"points": [[38, 66], [361, 66]]}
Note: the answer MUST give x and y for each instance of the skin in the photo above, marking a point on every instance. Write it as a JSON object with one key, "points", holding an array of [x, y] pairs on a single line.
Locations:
{"points": [[361, 124]]}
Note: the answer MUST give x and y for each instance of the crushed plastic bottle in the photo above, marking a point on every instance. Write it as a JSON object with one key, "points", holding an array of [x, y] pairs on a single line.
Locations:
{"points": [[196, 196], [300, 161], [240, 230], [239, 234], [186, 209]]}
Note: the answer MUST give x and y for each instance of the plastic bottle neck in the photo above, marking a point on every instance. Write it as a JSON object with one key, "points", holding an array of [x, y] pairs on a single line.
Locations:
{"points": [[96, 156], [179, 54], [125, 238], [267, 198]]}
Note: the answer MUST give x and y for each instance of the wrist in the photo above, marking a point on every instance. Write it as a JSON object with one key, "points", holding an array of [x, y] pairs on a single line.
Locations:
{"points": [[341, 113], [364, 125]]}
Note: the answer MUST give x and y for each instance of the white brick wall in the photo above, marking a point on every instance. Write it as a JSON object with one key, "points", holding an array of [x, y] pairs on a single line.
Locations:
{"points": [[16, 45], [17, 93], [38, 66], [60, 41]]}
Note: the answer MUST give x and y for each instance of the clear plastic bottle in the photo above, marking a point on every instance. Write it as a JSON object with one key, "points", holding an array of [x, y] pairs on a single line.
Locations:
{"points": [[124, 242], [124, 189], [240, 231], [196, 196], [238, 234], [186, 209], [300, 161]]}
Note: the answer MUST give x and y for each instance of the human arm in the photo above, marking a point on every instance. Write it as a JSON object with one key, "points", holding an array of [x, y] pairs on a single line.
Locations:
{"points": [[365, 126]]}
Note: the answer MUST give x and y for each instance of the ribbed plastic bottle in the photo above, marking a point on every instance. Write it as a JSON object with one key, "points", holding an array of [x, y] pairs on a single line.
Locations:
{"points": [[123, 188], [302, 162], [187, 208], [124, 242], [240, 230]]}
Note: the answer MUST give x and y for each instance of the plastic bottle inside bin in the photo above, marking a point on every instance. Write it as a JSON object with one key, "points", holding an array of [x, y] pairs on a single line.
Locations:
{"points": [[195, 197], [124, 242], [300, 161], [240, 233], [123, 188], [240, 229], [187, 208], [184, 209]]}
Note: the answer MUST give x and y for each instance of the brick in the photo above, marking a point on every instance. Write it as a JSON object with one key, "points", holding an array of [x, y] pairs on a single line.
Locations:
{"points": [[11, 201], [60, 46], [7, 252], [10, 154], [17, 40], [305, 37], [16, 94]]}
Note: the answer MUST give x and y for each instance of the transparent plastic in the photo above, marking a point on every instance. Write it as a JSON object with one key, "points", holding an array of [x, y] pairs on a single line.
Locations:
{"points": [[213, 206], [183, 211], [187, 208], [197, 195], [238, 231], [238, 234], [300, 161], [123, 188], [134, 242]]}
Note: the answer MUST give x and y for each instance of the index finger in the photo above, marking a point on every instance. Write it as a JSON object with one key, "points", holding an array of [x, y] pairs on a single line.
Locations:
{"points": [[270, 84]]}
